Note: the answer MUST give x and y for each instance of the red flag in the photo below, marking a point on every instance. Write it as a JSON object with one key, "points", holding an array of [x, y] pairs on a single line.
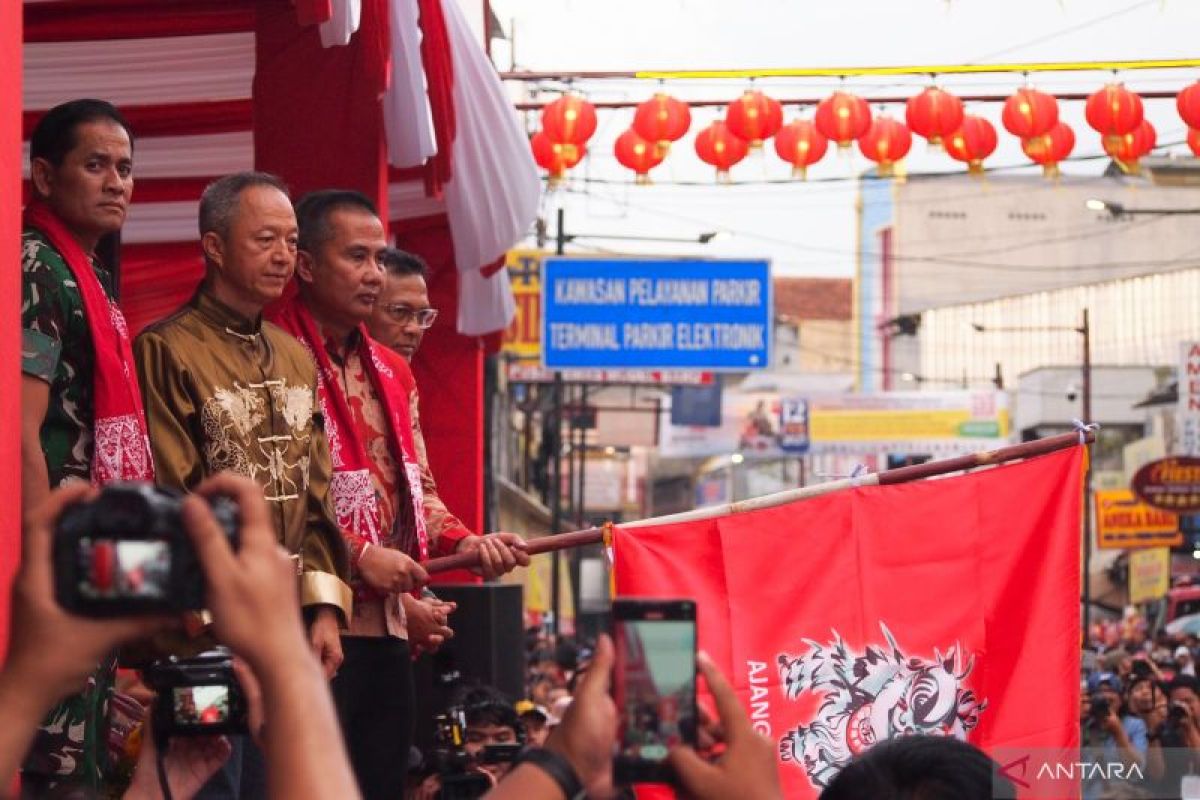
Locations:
{"points": [[947, 607]]}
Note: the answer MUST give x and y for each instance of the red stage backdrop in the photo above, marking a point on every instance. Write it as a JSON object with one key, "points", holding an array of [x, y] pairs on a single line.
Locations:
{"points": [[10, 297], [947, 607]]}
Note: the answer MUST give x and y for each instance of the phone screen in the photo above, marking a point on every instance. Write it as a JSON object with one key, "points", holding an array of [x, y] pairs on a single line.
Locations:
{"points": [[655, 681]]}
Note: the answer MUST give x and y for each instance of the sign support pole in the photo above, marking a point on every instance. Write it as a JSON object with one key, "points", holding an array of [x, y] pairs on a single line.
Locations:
{"points": [[556, 520], [1086, 332]]}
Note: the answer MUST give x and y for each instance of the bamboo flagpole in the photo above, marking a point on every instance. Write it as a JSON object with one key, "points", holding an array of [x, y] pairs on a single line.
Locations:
{"points": [[929, 469]]}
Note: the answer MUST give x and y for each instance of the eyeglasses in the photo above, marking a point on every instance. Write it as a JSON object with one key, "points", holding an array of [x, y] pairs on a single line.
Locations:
{"points": [[403, 315]]}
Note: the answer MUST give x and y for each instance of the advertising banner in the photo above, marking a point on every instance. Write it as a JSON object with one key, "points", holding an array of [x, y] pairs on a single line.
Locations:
{"points": [[1149, 574]]}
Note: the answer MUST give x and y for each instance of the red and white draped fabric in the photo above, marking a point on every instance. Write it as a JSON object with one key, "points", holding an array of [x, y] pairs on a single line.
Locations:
{"points": [[183, 71], [407, 117], [487, 184], [493, 197]]}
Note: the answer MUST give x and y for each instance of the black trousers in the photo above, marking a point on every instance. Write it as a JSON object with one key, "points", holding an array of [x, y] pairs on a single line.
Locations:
{"points": [[373, 692]]}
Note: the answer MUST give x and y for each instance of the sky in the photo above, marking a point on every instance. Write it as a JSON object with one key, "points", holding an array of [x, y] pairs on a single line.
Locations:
{"points": [[809, 228]]}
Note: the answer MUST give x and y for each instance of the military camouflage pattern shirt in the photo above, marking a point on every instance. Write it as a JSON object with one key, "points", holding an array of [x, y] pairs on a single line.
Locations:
{"points": [[56, 347]]}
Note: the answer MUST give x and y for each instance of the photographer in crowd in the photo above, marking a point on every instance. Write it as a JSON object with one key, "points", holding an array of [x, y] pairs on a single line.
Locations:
{"points": [[1107, 734], [1174, 743], [252, 596]]}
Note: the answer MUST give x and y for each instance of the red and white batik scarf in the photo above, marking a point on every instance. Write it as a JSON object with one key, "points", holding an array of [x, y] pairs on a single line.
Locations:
{"points": [[354, 499], [122, 442]]}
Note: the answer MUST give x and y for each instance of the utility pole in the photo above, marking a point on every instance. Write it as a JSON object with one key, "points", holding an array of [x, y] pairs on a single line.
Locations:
{"points": [[1086, 332], [556, 481]]}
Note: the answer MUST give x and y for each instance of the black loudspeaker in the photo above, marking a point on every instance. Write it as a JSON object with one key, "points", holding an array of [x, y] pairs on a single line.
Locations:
{"points": [[488, 648]]}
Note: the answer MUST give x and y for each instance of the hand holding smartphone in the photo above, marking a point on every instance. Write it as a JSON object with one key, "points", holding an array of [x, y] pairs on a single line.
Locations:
{"points": [[654, 685]]}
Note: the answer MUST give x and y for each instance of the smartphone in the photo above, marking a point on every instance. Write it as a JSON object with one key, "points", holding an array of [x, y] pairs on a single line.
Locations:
{"points": [[654, 685]]}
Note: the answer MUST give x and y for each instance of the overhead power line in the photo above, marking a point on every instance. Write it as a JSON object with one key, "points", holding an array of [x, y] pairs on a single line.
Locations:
{"points": [[989, 97], [854, 72], [1068, 30]]}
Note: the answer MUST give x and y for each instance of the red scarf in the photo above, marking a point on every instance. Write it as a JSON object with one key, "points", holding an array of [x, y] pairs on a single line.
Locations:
{"points": [[122, 442], [354, 500]]}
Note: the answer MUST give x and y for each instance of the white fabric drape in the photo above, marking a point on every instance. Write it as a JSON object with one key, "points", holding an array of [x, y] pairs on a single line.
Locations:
{"points": [[485, 304], [492, 199], [406, 115], [173, 69], [337, 30]]}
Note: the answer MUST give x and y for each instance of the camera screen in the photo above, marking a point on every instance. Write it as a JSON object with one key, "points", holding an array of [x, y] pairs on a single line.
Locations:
{"points": [[655, 685], [201, 705], [114, 569]]}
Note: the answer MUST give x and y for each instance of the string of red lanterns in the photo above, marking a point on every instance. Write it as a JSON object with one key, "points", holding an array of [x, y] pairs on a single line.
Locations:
{"points": [[938, 116]]}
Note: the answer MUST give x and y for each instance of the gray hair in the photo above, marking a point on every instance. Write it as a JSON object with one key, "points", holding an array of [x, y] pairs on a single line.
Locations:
{"points": [[219, 202]]}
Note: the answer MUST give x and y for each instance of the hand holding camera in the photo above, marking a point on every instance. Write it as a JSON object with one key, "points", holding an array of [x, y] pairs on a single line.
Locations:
{"points": [[124, 553], [59, 648], [51, 652]]}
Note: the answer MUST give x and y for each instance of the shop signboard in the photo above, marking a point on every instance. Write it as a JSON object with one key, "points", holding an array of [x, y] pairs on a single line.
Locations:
{"points": [[1172, 484], [1188, 378], [1149, 574], [793, 425], [1123, 521]]}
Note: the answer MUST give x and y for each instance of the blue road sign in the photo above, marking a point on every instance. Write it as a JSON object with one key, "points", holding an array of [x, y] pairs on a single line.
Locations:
{"points": [[625, 313]]}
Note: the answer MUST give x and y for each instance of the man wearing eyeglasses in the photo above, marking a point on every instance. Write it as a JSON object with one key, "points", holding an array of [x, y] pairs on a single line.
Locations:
{"points": [[402, 312], [402, 315]]}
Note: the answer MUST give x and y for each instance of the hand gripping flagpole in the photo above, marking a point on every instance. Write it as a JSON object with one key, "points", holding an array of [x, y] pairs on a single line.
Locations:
{"points": [[546, 544]]}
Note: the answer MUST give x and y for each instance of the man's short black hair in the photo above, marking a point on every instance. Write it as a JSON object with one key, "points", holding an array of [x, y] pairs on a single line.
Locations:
{"points": [[54, 136], [401, 263], [925, 767], [314, 209], [220, 199], [484, 705], [1185, 682]]}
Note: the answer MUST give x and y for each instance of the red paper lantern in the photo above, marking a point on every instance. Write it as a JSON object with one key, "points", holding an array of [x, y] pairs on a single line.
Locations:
{"points": [[569, 120], [555, 158], [1188, 103], [800, 144], [1050, 148], [886, 142], [843, 117], [1029, 113], [754, 117], [717, 145], [637, 154], [662, 119], [1193, 140], [974, 141], [1127, 149], [1114, 110], [934, 114]]}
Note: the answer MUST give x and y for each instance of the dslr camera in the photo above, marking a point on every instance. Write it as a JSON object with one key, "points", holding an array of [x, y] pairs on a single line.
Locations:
{"points": [[126, 553], [197, 696], [454, 765]]}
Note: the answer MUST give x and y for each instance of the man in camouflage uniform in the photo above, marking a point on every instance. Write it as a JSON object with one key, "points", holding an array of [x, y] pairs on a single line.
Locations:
{"points": [[81, 164]]}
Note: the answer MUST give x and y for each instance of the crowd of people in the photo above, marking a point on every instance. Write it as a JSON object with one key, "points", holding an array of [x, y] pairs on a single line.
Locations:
{"points": [[1140, 706], [283, 385]]}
